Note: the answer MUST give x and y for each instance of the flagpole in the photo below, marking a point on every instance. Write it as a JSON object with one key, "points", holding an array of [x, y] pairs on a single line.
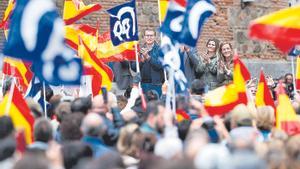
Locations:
{"points": [[44, 93], [2, 82], [11, 92], [293, 71]]}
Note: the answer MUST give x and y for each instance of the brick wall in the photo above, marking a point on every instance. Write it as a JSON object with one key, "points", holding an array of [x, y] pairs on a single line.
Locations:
{"points": [[228, 24]]}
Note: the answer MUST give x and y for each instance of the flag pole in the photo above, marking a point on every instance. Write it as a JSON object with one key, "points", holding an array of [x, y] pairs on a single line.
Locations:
{"points": [[2, 82], [293, 71], [44, 93], [11, 92]]}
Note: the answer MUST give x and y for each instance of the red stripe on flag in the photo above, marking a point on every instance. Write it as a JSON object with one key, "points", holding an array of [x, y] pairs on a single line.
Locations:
{"points": [[71, 44], [298, 84], [96, 7], [291, 127], [283, 37]]}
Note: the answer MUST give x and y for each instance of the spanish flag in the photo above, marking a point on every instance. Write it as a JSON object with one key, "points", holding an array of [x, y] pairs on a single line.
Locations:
{"points": [[281, 27], [163, 7], [20, 70], [103, 70], [8, 12], [263, 96], [19, 113], [286, 118], [298, 73], [85, 32], [107, 52], [181, 115], [223, 99], [75, 9]]}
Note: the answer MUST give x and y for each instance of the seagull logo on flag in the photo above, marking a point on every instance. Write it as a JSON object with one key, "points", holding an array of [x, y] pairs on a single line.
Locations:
{"points": [[37, 35], [123, 23]]}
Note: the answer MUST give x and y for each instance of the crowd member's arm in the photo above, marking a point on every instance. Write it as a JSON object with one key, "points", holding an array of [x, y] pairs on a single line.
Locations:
{"points": [[193, 56], [213, 66]]}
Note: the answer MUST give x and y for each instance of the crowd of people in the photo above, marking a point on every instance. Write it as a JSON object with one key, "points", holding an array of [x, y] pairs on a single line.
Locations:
{"points": [[121, 131]]}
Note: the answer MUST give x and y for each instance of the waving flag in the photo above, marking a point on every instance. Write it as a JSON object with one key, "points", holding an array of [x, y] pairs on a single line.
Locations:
{"points": [[103, 70], [75, 9], [298, 74], [263, 96], [286, 118], [107, 52], [123, 23], [19, 113], [19, 69], [197, 12], [223, 99], [7, 13], [172, 25], [38, 36], [163, 7], [281, 27]]}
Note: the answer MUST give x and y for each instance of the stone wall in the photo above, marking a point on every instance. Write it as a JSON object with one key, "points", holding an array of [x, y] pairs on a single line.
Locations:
{"points": [[228, 24]]}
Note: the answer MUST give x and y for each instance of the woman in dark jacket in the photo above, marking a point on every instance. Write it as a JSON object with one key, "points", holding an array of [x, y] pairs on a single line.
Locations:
{"points": [[225, 64]]}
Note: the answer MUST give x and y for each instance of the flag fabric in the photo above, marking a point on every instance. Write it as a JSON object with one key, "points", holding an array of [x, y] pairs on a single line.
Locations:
{"points": [[123, 23], [263, 96], [295, 51], [223, 99], [107, 52], [183, 23], [19, 113], [298, 73], [103, 70], [286, 118], [19, 69], [75, 10], [8, 12], [163, 7], [39, 37], [281, 27], [85, 32], [197, 12], [182, 115]]}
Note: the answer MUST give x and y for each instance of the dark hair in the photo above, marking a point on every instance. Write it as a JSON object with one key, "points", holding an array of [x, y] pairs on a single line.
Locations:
{"points": [[6, 126], [198, 87], [7, 147], [70, 127], [152, 95], [81, 104], [73, 152], [43, 130], [217, 42], [32, 161]]}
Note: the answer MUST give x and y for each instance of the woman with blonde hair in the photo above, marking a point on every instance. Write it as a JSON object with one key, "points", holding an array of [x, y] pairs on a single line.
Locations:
{"points": [[225, 64]]}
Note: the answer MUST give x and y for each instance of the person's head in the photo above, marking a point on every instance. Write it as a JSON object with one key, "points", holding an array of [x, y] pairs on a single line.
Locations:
{"points": [[152, 95], [98, 105], [125, 144], [265, 118], [122, 101], [195, 140], [155, 118], [70, 127], [43, 130], [197, 87], [226, 51], [35, 108], [74, 152], [62, 110], [212, 45], [32, 161], [81, 104], [241, 116], [6, 127], [93, 125], [293, 151], [149, 35], [288, 78], [7, 147]]}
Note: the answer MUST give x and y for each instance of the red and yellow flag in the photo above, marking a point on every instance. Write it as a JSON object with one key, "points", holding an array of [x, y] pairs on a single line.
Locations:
{"points": [[263, 96], [103, 70], [281, 27], [298, 73], [8, 11], [286, 118], [75, 9], [19, 113], [223, 99], [163, 7], [182, 115], [107, 52], [20, 70]]}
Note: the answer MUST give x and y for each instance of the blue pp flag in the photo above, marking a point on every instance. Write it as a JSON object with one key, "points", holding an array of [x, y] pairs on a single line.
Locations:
{"points": [[37, 35], [123, 23], [295, 52], [197, 12], [172, 25]]}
